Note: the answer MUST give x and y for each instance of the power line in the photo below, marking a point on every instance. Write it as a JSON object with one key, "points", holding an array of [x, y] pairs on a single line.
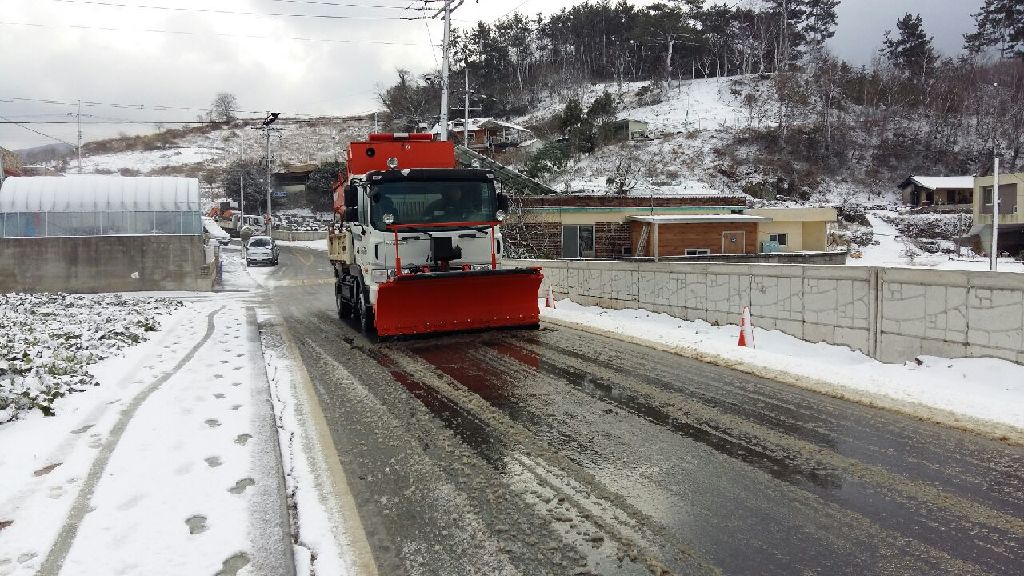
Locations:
{"points": [[107, 4], [218, 34], [348, 5], [22, 124]]}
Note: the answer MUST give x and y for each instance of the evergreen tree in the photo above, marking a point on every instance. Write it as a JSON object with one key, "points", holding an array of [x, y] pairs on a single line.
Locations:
{"points": [[1000, 24], [912, 51], [820, 22]]}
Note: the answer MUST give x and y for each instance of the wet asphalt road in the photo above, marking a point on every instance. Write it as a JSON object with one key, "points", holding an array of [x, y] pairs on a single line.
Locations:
{"points": [[559, 452]]}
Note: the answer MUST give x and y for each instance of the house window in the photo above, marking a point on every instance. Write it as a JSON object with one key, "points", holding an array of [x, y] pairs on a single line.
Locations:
{"points": [[697, 251], [578, 241], [1007, 199], [782, 239], [472, 138]]}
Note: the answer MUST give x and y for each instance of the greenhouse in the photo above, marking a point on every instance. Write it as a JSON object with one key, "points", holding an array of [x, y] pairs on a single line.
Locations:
{"points": [[99, 206]]}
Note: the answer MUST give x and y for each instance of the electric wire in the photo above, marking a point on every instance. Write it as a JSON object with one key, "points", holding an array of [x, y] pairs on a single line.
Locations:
{"points": [[21, 124], [107, 4]]}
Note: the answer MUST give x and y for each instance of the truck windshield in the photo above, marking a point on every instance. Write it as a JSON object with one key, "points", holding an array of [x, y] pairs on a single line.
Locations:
{"points": [[419, 202]]}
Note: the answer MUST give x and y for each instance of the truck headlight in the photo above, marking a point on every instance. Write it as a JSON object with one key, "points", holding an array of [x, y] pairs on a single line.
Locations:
{"points": [[389, 219]]}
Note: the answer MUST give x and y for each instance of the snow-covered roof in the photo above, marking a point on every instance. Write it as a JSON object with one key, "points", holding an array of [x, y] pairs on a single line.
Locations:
{"points": [[477, 124], [945, 182], [695, 218], [100, 194]]}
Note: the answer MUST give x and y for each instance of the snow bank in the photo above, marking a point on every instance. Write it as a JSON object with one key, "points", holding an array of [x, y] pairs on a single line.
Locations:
{"points": [[981, 394]]}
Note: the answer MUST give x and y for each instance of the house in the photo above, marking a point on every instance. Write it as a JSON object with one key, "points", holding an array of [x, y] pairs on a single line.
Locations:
{"points": [[627, 129], [1011, 218], [597, 226], [486, 134], [938, 193], [603, 226], [292, 179]]}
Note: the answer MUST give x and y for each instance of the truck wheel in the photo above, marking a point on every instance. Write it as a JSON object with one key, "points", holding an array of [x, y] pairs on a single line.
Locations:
{"points": [[365, 313], [344, 308]]}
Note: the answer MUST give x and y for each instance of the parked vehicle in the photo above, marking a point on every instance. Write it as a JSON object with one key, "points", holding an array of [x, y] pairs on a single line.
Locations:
{"points": [[417, 243], [216, 232], [261, 250]]}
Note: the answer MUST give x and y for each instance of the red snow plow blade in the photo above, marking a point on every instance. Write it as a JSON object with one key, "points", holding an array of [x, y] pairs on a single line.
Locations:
{"points": [[453, 301]]}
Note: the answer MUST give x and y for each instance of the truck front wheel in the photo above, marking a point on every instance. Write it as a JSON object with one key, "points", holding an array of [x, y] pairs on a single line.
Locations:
{"points": [[344, 306], [366, 323]]}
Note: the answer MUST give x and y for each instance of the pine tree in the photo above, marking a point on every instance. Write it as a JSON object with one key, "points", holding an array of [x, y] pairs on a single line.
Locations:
{"points": [[912, 51], [820, 21], [999, 23]]}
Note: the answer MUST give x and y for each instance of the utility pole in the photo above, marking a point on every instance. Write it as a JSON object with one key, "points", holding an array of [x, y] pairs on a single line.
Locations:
{"points": [[444, 68], [994, 262], [265, 126], [270, 185], [2, 174], [468, 109], [241, 203]]}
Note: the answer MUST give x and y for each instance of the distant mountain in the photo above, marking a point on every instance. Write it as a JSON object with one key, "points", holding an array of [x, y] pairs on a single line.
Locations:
{"points": [[46, 153]]}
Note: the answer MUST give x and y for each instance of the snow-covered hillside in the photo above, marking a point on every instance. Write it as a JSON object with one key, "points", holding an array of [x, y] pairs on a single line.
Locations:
{"points": [[297, 142]]}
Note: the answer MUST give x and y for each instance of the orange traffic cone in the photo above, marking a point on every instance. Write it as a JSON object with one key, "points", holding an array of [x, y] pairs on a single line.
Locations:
{"points": [[549, 301], [746, 329]]}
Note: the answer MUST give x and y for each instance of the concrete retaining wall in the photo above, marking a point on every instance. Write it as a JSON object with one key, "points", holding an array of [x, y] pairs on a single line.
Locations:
{"points": [[890, 314], [818, 258], [299, 236], [105, 264]]}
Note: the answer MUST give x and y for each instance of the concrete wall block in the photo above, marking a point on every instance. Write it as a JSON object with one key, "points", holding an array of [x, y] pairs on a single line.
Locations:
{"points": [[696, 292], [996, 318], [764, 297], [820, 298], [819, 332], [894, 348], [946, 313], [791, 298], [791, 327], [903, 309], [720, 292], [855, 338], [944, 348]]}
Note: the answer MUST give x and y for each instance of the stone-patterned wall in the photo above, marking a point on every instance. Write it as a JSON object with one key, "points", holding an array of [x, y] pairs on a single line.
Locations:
{"points": [[891, 314]]}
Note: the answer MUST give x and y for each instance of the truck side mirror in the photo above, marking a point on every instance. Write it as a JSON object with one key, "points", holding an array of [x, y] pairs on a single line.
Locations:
{"points": [[503, 202], [351, 197]]}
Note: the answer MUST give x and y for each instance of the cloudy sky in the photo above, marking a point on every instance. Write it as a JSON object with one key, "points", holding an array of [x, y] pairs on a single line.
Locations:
{"points": [[130, 58]]}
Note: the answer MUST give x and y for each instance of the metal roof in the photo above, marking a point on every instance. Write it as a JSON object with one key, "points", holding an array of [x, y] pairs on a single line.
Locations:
{"points": [[699, 218], [100, 194]]}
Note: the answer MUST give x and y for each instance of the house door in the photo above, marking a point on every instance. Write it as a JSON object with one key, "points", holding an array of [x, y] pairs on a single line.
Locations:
{"points": [[734, 242]]}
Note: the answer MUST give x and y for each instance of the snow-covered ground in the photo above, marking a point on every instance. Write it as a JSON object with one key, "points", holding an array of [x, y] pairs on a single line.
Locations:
{"points": [[895, 250], [147, 160], [980, 390], [169, 461], [311, 244]]}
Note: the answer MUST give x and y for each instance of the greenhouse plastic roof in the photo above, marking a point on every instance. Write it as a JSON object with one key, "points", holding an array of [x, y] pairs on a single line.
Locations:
{"points": [[99, 194]]}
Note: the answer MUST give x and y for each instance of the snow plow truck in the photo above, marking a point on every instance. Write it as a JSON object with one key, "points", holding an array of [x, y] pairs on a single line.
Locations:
{"points": [[416, 245]]}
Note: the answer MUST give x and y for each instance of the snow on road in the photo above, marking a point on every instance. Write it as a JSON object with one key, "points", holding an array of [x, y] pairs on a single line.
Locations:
{"points": [[978, 388]]}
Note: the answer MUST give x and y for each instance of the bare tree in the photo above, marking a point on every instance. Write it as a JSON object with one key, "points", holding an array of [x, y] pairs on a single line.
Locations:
{"points": [[224, 107]]}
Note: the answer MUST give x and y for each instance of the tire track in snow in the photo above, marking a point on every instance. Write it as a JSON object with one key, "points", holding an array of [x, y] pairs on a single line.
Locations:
{"points": [[65, 539]]}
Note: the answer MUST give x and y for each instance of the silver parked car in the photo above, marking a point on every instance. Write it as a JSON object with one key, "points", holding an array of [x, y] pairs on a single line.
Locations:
{"points": [[261, 250]]}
